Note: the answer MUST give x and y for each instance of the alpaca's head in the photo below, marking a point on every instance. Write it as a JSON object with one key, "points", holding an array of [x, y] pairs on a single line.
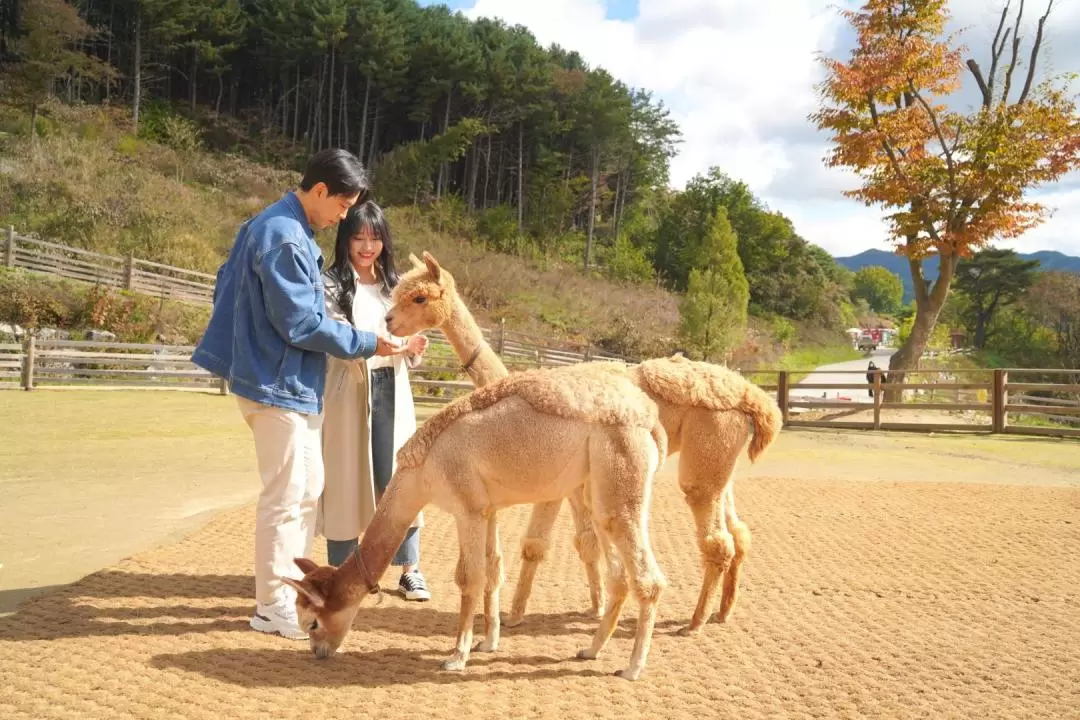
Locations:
{"points": [[423, 299], [322, 608]]}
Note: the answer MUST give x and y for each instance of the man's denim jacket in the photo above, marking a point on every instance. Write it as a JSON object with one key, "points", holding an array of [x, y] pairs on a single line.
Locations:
{"points": [[269, 332]]}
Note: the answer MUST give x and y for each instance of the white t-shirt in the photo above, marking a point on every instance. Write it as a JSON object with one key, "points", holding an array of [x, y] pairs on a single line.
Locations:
{"points": [[369, 313]]}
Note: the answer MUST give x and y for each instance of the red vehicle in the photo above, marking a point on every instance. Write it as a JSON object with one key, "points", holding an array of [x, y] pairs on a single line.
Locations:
{"points": [[869, 339]]}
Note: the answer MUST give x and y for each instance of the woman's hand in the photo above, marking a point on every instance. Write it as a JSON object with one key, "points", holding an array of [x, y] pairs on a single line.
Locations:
{"points": [[416, 345]]}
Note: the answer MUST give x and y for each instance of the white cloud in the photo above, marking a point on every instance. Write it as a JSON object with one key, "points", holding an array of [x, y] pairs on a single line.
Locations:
{"points": [[739, 78]]}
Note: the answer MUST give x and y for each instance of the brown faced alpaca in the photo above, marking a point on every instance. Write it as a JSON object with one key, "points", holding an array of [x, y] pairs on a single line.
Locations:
{"points": [[529, 438], [707, 411]]}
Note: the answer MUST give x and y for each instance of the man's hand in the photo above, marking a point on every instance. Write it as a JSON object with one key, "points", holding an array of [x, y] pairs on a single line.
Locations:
{"points": [[416, 345], [386, 346]]}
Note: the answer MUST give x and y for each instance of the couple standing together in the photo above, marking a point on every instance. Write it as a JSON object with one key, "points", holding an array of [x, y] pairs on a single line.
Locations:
{"points": [[320, 382]]}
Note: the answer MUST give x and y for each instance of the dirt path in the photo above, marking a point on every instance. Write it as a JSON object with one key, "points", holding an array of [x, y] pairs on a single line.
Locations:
{"points": [[874, 589]]}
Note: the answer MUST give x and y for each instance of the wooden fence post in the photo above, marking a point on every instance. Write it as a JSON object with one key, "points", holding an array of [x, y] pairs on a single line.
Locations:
{"points": [[1000, 398], [588, 353], [28, 362], [877, 399], [129, 272], [782, 395], [500, 339], [224, 386], [9, 250]]}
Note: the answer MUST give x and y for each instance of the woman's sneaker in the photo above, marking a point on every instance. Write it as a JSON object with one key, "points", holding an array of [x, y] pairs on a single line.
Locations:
{"points": [[413, 587], [280, 619]]}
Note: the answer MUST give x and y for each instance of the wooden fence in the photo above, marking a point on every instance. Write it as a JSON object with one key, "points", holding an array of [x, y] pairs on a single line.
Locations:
{"points": [[142, 276], [173, 283], [995, 400]]}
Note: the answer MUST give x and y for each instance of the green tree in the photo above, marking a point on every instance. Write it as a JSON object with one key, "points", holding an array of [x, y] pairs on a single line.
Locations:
{"points": [[992, 279], [1054, 302], [882, 290], [47, 30], [713, 312]]}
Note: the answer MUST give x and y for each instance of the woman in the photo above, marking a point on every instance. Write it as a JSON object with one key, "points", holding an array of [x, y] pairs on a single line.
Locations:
{"points": [[368, 409]]}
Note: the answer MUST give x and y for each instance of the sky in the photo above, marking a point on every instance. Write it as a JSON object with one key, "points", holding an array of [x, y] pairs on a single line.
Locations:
{"points": [[738, 77]]}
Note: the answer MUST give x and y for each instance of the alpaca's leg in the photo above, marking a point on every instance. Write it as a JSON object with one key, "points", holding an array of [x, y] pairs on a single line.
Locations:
{"points": [[616, 591], [741, 534], [717, 549], [491, 591], [533, 549], [470, 576], [588, 548], [621, 502], [712, 443], [648, 583], [632, 558]]}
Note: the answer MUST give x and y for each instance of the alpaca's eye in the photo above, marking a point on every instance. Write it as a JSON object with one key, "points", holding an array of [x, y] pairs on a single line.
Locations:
{"points": [[314, 626], [419, 299]]}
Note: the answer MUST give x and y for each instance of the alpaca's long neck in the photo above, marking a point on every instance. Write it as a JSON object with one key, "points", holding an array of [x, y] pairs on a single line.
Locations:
{"points": [[464, 335], [394, 515]]}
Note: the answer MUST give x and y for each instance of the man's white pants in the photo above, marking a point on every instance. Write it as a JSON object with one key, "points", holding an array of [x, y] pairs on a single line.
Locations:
{"points": [[289, 451]]}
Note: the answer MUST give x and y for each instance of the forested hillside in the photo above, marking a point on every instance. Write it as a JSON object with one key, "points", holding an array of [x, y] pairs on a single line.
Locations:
{"points": [[1048, 260], [520, 148]]}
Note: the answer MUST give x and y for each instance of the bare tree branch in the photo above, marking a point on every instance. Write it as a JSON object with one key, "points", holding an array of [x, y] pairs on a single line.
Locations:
{"points": [[885, 144], [1035, 52], [987, 93], [944, 146], [996, 47], [1015, 54]]}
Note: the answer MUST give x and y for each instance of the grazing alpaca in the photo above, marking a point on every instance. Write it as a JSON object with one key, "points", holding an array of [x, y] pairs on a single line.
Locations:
{"points": [[707, 412], [531, 437]]}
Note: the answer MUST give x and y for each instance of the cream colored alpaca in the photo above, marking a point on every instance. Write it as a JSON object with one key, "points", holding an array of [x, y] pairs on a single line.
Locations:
{"points": [[707, 412], [532, 437]]}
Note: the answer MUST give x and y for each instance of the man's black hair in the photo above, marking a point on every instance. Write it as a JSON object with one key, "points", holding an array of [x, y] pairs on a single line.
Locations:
{"points": [[341, 172]]}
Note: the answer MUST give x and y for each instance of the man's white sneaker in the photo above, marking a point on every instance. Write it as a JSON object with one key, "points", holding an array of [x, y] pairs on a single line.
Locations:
{"points": [[278, 619]]}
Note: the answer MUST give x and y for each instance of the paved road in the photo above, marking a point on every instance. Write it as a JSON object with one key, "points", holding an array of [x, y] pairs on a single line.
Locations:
{"points": [[827, 374]]}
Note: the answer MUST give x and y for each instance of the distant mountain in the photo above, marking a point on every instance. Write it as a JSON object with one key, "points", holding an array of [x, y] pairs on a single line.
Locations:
{"points": [[1048, 260]]}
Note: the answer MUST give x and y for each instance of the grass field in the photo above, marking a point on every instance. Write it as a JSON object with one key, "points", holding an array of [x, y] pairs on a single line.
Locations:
{"points": [[891, 576]]}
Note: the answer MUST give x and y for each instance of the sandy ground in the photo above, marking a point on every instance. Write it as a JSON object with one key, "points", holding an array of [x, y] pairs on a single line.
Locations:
{"points": [[892, 576]]}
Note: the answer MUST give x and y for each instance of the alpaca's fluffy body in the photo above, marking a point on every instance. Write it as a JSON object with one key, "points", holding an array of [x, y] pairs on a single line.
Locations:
{"points": [[709, 413], [533, 437]]}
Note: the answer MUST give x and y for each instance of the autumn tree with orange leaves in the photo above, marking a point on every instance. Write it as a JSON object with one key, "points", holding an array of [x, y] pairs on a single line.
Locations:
{"points": [[951, 181]]}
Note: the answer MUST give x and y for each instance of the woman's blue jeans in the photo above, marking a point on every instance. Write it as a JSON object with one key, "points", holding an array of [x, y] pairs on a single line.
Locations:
{"points": [[382, 461]]}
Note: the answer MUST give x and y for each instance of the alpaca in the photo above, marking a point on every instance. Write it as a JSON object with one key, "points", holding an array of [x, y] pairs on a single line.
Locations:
{"points": [[531, 437], [437, 304], [707, 412]]}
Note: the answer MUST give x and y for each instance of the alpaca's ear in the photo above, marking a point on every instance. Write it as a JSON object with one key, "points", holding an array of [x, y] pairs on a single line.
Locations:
{"points": [[306, 566], [416, 262], [432, 265], [307, 590]]}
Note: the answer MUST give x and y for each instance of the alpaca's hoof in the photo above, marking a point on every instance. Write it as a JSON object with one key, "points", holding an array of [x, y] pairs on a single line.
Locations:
{"points": [[514, 620], [454, 664], [486, 647], [689, 631], [586, 654], [628, 674]]}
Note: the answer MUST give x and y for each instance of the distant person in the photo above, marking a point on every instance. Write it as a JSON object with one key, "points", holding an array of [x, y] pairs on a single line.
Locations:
{"points": [[269, 335], [870, 376], [369, 411]]}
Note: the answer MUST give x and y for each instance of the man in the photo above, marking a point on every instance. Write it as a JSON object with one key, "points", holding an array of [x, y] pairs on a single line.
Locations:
{"points": [[870, 376], [269, 336]]}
